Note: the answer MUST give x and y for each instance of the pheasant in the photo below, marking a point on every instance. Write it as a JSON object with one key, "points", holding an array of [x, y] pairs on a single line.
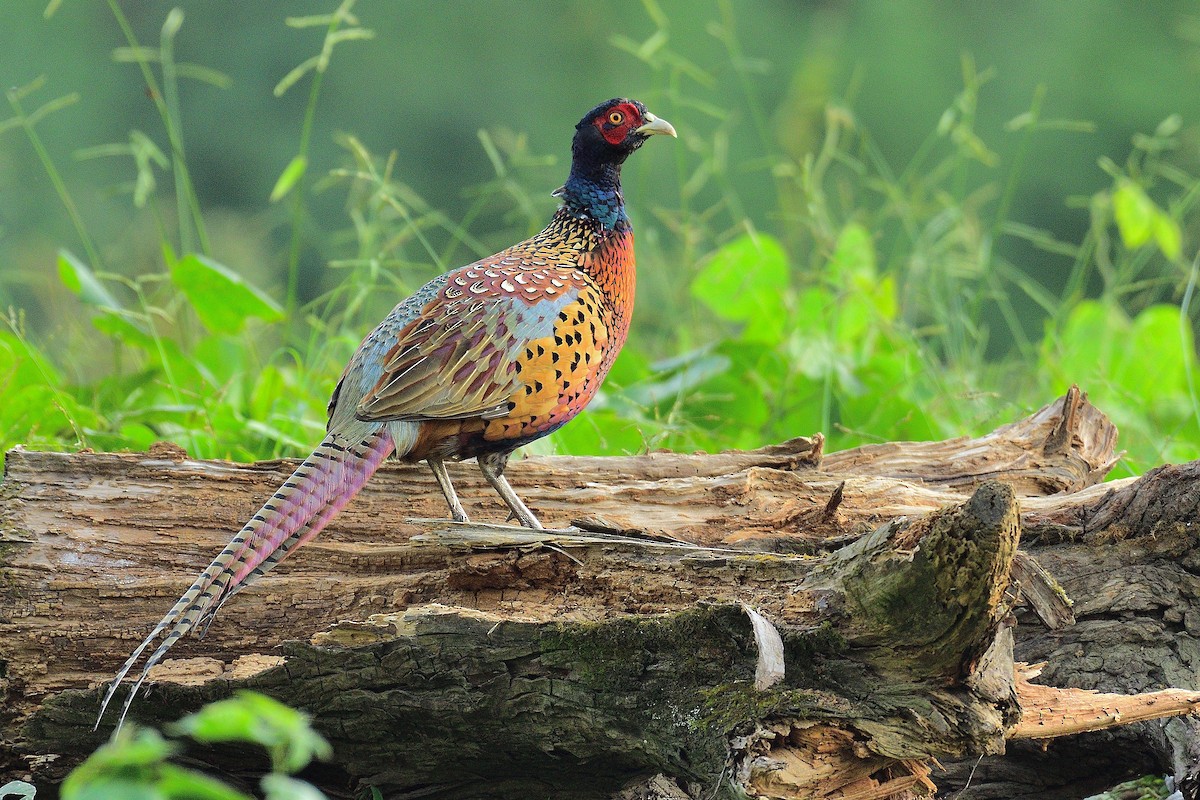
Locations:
{"points": [[479, 361]]}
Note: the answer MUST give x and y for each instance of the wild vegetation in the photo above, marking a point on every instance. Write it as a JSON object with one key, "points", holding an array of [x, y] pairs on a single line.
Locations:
{"points": [[135, 764], [872, 304]]}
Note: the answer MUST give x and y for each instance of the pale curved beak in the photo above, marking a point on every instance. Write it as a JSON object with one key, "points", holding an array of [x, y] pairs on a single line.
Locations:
{"points": [[655, 125]]}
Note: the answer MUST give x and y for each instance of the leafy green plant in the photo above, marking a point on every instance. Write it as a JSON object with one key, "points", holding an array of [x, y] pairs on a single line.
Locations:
{"points": [[135, 765], [1150, 787], [185, 343]]}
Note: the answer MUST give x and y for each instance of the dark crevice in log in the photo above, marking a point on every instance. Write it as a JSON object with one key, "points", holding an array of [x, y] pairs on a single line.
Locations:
{"points": [[1067, 769]]}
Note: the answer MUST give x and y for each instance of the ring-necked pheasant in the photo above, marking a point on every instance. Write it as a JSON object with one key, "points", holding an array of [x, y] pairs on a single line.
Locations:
{"points": [[478, 362]]}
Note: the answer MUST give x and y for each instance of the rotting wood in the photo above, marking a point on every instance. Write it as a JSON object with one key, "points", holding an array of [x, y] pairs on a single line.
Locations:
{"points": [[1051, 712], [94, 547]]}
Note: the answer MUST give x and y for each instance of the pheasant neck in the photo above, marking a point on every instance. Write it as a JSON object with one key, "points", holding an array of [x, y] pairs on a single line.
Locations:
{"points": [[595, 190]]}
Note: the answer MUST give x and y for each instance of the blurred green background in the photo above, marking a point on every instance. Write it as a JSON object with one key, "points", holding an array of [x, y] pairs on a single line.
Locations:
{"points": [[903, 219]]}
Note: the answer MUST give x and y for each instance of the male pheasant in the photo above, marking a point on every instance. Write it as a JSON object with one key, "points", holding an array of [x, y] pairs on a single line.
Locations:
{"points": [[478, 362]]}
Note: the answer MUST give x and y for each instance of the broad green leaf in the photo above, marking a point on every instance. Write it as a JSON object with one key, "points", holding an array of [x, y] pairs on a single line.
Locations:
{"points": [[109, 788], [631, 366], [290, 176], [135, 753], [885, 297], [1134, 213], [22, 364], [797, 410], [745, 281], [737, 392], [79, 278], [222, 299], [176, 783], [603, 432], [224, 358], [884, 401], [256, 718], [137, 437], [814, 306], [1152, 360], [677, 376], [1083, 350], [37, 407], [274, 434], [119, 327], [853, 318], [864, 310], [137, 747], [864, 299]]}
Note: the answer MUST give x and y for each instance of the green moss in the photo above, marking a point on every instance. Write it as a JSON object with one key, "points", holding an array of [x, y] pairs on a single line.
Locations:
{"points": [[697, 644], [702, 660], [825, 639], [730, 705]]}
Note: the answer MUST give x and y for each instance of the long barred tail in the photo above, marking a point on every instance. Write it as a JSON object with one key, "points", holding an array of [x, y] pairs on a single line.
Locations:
{"points": [[319, 488]]}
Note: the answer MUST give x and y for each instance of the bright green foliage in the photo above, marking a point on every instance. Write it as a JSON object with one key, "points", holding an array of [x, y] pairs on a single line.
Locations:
{"points": [[875, 301], [253, 717], [742, 281], [36, 411], [196, 384], [880, 301], [1139, 220], [281, 787], [79, 278], [221, 299], [135, 765], [1139, 371]]}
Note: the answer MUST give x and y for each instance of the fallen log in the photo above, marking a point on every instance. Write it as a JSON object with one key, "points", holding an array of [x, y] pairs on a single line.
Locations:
{"points": [[627, 656]]}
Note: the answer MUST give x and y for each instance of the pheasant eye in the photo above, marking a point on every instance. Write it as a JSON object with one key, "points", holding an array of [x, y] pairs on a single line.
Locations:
{"points": [[616, 118]]}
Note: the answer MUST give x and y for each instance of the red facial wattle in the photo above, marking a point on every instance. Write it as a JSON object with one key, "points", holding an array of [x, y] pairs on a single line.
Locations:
{"points": [[617, 121]]}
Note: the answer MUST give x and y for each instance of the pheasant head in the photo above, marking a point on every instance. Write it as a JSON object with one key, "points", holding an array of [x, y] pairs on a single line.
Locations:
{"points": [[604, 138]]}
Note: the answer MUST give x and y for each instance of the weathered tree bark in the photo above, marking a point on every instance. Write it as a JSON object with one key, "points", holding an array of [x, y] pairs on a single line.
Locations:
{"points": [[487, 661], [1130, 559]]}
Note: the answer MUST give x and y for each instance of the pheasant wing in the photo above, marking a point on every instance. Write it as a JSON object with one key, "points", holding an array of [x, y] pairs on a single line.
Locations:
{"points": [[456, 360]]}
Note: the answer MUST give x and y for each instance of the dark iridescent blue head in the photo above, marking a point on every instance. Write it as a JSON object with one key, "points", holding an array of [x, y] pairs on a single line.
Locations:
{"points": [[604, 138]]}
